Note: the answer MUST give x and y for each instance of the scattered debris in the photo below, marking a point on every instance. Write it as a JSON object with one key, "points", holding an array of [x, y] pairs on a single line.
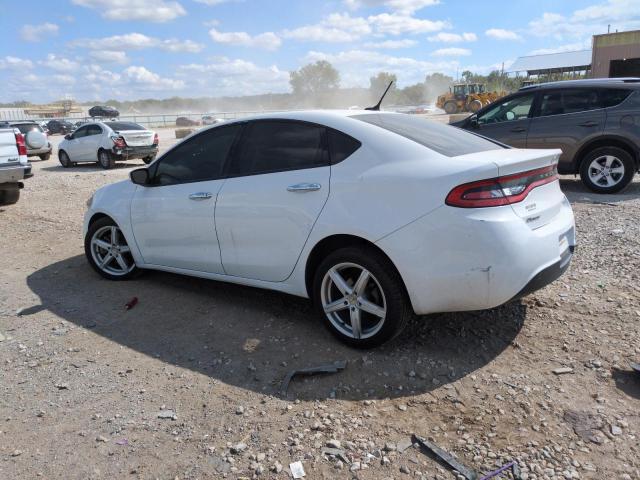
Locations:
{"points": [[331, 368], [122, 441], [446, 457], [62, 386], [297, 470], [585, 425], [170, 414], [562, 370], [238, 448], [16, 453], [131, 303], [513, 466]]}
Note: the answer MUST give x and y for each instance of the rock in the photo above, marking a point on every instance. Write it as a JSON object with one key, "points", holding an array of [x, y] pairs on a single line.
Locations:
{"points": [[16, 453], [239, 410], [402, 407], [562, 370], [62, 386], [167, 414], [385, 461], [333, 443], [403, 445], [277, 467], [615, 430], [355, 466], [261, 457], [390, 447], [102, 438], [405, 470], [238, 448]]}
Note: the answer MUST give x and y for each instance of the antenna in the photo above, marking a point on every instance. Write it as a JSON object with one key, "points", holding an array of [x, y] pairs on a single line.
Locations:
{"points": [[376, 108]]}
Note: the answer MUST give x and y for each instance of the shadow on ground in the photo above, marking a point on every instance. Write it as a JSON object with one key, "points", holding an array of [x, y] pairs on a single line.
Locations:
{"points": [[93, 167], [576, 192], [628, 381], [252, 338]]}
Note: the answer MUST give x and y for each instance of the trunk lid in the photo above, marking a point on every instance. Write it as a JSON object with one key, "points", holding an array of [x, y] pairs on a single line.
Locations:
{"points": [[137, 138], [8, 149]]}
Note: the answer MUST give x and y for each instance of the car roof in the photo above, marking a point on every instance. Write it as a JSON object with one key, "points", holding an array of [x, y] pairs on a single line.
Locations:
{"points": [[23, 122], [314, 116], [587, 82]]}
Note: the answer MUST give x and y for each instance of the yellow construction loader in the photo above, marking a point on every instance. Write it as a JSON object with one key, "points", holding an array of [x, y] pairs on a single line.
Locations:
{"points": [[466, 97]]}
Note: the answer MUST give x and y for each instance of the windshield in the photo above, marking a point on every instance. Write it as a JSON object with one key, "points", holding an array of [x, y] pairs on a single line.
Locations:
{"points": [[444, 139], [27, 127], [120, 126]]}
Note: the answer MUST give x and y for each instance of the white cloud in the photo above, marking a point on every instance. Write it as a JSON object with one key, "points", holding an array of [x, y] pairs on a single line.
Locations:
{"points": [[109, 56], [397, 24], [446, 37], [15, 63], [141, 76], [337, 27], [392, 44], [60, 64], [267, 40], [212, 3], [140, 10], [502, 34], [403, 6], [451, 52], [137, 41], [35, 33]]}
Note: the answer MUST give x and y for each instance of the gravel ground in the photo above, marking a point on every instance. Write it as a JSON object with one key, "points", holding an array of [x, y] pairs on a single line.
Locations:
{"points": [[185, 385]]}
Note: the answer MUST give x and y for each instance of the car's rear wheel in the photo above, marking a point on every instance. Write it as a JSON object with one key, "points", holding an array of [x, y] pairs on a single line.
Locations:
{"points": [[46, 156], [9, 195], [108, 252], [450, 107], [607, 169], [64, 159], [361, 297], [149, 159], [106, 160]]}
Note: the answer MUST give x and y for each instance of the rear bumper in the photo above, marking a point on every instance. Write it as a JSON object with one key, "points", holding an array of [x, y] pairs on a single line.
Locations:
{"points": [[15, 173], [135, 152], [474, 259], [32, 152]]}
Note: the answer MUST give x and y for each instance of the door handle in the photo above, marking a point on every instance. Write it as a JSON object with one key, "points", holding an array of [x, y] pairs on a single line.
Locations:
{"points": [[200, 196], [518, 129], [588, 124], [304, 187]]}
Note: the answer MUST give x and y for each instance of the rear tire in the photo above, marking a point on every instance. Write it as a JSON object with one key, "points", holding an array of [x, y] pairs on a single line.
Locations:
{"points": [[450, 107], [149, 159], [370, 306], [64, 159], [9, 196], [106, 160], [607, 170], [46, 156]]}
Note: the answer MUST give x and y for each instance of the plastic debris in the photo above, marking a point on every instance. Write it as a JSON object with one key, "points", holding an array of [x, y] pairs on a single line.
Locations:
{"points": [[122, 441], [447, 458], [331, 368], [297, 470], [131, 303], [562, 370]]}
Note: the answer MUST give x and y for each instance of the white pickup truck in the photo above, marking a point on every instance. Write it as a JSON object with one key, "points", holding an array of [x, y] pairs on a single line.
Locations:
{"points": [[14, 166]]}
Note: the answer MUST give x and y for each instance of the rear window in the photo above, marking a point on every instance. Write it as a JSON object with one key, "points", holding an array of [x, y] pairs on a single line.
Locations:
{"points": [[27, 127], [613, 96], [444, 139], [120, 126]]}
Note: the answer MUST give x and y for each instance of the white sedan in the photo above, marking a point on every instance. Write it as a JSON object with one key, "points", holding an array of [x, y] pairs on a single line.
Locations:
{"points": [[108, 142], [372, 215]]}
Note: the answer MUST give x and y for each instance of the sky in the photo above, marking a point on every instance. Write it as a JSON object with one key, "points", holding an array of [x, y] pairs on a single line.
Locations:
{"points": [[131, 49]]}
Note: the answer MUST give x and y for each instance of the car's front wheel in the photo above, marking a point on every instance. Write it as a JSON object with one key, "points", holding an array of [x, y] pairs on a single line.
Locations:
{"points": [[361, 297], [64, 159], [108, 252], [607, 169]]}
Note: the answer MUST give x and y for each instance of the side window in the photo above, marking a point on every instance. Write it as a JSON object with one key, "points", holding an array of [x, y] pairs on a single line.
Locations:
{"points": [[341, 145], [569, 101], [515, 108], [198, 159], [79, 133], [276, 145], [93, 130], [612, 97]]}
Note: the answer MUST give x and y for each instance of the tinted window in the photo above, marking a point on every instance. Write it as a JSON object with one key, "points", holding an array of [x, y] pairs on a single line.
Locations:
{"points": [[94, 130], [341, 145], [568, 101], [613, 96], [81, 132], [27, 127], [515, 108], [444, 139], [199, 158], [120, 126], [274, 145]]}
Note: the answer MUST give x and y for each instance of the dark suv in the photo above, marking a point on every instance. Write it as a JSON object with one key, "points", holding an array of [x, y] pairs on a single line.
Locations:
{"points": [[596, 124]]}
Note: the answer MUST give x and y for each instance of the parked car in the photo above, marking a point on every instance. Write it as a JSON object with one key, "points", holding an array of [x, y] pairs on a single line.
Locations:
{"points": [[185, 122], [60, 126], [107, 143], [36, 140], [596, 124], [210, 120], [14, 165], [104, 111], [372, 214]]}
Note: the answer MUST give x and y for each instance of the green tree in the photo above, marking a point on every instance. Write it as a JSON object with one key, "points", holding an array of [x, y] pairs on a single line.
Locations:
{"points": [[379, 83], [315, 79], [414, 94]]}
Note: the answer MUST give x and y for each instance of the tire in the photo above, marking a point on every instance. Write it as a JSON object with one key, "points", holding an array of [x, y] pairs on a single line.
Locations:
{"points": [[607, 169], [450, 107], [46, 156], [475, 105], [102, 230], [9, 196], [106, 160], [63, 158], [149, 159], [383, 292]]}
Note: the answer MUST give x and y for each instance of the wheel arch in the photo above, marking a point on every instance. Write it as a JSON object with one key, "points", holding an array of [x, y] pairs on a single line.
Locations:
{"points": [[608, 141], [332, 243], [97, 216]]}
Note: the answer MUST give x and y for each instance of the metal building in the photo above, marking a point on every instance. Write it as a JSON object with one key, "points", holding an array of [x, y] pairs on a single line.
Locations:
{"points": [[553, 65], [616, 55]]}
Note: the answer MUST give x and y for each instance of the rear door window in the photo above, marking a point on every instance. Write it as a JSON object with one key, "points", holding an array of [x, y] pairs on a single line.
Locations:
{"points": [[80, 133], [444, 139], [561, 102], [93, 130], [276, 145]]}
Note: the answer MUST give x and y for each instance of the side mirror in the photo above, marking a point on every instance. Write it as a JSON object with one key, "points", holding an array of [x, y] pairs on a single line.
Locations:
{"points": [[68, 136], [140, 176]]}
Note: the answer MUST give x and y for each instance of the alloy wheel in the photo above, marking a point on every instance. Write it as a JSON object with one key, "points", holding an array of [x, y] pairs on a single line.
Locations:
{"points": [[110, 251], [353, 300], [606, 171]]}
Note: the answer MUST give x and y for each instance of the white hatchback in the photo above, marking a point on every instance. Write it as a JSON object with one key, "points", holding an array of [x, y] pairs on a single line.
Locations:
{"points": [[372, 215], [108, 142]]}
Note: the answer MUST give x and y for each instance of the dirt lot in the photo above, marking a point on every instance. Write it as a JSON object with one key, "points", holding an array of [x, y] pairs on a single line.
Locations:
{"points": [[84, 382]]}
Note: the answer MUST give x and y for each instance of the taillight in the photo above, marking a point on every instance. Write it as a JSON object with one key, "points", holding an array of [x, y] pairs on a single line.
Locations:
{"points": [[156, 139], [119, 142], [502, 190], [22, 146]]}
